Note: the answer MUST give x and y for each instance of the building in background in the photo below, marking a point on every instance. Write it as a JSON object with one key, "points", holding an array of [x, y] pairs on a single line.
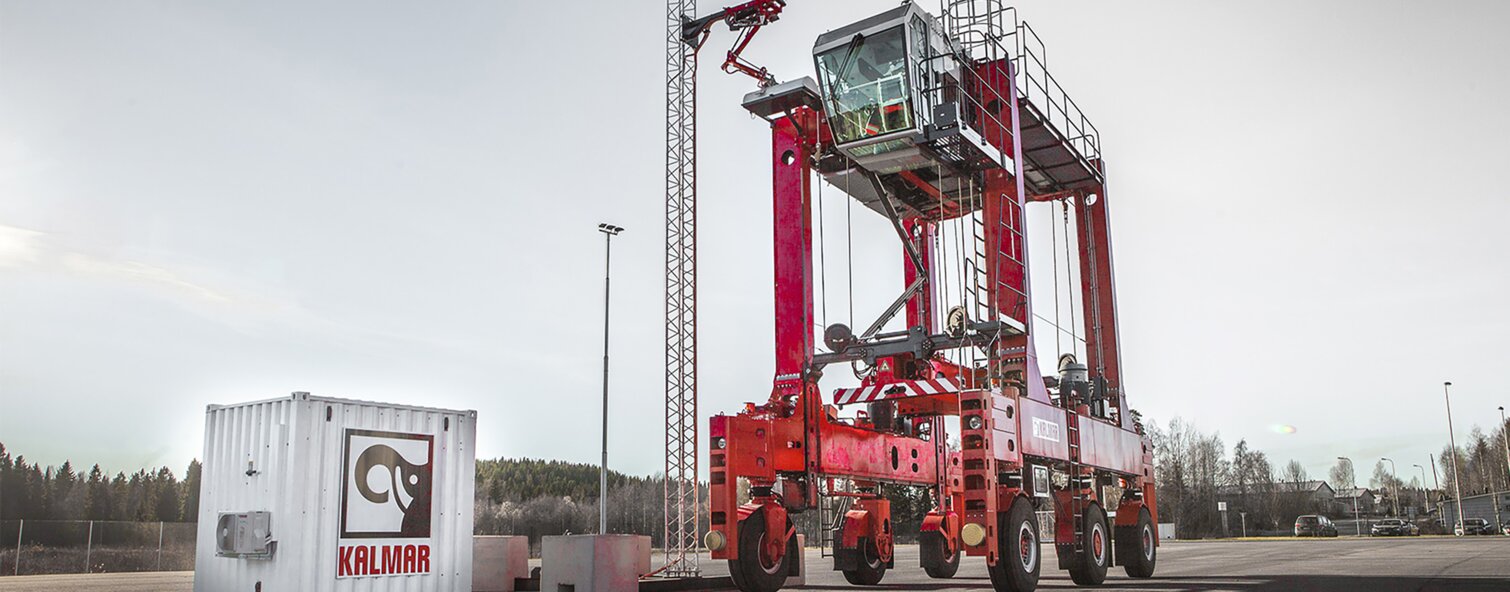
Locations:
{"points": [[1317, 491], [1494, 507], [1342, 502]]}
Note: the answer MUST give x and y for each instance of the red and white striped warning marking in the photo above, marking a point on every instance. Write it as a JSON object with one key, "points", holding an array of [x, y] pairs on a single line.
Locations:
{"points": [[895, 390]]}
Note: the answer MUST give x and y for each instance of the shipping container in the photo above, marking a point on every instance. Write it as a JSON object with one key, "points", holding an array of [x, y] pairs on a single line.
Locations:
{"points": [[315, 494]]}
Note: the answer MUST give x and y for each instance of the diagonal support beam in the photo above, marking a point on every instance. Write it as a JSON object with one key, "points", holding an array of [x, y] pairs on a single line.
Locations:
{"points": [[912, 254], [896, 222], [895, 307]]}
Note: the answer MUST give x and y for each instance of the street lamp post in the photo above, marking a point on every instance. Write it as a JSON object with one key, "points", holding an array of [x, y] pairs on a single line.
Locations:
{"points": [[1505, 436], [1423, 486], [609, 231], [1396, 484], [1435, 484], [1352, 481], [1457, 490]]}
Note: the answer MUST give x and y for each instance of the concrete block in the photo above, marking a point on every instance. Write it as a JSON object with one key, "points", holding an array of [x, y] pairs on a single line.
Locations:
{"points": [[497, 560], [594, 563], [797, 574]]}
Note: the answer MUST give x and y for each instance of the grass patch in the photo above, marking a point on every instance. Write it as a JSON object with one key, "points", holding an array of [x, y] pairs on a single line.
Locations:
{"points": [[40, 560]]}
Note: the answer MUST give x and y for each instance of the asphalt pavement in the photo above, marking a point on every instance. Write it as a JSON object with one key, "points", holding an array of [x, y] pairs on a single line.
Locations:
{"points": [[1417, 564]]}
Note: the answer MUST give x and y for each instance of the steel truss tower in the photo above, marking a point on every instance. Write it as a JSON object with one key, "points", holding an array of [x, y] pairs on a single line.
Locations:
{"points": [[682, 501]]}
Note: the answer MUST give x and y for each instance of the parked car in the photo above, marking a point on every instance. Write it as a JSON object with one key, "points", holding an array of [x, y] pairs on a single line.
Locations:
{"points": [[1393, 527], [1474, 526], [1314, 525]]}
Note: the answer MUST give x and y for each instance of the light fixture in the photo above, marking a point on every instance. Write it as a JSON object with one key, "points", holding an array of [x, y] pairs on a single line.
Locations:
{"points": [[973, 534], [714, 540]]}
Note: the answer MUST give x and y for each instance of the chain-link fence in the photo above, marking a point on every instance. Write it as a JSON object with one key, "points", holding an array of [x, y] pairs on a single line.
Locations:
{"points": [[94, 546]]}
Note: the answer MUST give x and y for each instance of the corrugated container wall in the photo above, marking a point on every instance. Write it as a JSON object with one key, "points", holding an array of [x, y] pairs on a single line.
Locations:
{"points": [[314, 494]]}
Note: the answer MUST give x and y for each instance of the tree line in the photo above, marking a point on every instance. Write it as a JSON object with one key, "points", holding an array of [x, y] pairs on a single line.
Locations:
{"points": [[1482, 462], [535, 498], [1193, 473], [30, 491]]}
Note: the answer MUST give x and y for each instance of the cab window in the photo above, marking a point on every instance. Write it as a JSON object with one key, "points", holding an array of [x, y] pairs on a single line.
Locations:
{"points": [[865, 88]]}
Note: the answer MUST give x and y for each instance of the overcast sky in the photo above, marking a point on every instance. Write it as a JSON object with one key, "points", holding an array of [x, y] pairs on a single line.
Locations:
{"points": [[219, 202]]}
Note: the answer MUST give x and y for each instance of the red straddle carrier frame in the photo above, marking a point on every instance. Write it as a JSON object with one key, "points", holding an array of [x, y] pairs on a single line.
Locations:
{"points": [[952, 140]]}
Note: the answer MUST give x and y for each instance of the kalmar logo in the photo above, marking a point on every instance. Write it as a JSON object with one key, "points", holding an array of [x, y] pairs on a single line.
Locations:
{"points": [[386, 487]]}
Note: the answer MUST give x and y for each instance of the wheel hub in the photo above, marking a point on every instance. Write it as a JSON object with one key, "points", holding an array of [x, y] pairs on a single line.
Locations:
{"points": [[1027, 547], [770, 555]]}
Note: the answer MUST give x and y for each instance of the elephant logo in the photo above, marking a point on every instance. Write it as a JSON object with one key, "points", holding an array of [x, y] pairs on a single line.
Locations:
{"points": [[387, 485]]}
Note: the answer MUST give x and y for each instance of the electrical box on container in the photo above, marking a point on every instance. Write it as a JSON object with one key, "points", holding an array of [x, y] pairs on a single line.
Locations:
{"points": [[244, 534], [313, 493]]}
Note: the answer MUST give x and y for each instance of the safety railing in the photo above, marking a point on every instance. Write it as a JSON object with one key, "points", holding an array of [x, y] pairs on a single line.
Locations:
{"points": [[980, 60], [1039, 87], [988, 32]]}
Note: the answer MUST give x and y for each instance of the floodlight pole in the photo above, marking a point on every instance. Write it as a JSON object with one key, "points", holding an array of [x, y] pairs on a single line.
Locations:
{"points": [[609, 231], [1457, 489], [1352, 481], [1436, 484]]}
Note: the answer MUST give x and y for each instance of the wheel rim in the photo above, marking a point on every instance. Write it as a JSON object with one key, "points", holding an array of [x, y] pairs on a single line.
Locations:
{"points": [[1098, 541], [871, 555], [1027, 547], [768, 564], [1148, 542]]}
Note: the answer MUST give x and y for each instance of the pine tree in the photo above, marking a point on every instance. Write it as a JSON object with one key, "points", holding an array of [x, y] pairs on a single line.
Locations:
{"points": [[9, 486], [191, 492], [119, 491], [136, 497], [60, 486], [97, 503], [33, 502], [168, 504]]}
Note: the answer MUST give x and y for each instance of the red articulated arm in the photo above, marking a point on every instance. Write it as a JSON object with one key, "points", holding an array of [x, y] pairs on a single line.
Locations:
{"points": [[746, 18]]}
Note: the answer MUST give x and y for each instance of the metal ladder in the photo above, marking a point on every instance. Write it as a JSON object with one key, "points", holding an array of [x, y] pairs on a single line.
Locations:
{"points": [[1077, 492], [986, 33], [985, 286], [830, 521]]}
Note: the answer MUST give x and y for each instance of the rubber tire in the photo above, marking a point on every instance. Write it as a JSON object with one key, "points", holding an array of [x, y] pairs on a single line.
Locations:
{"points": [[746, 571], [871, 569], [949, 567], [1010, 574], [1086, 571], [1137, 560]]}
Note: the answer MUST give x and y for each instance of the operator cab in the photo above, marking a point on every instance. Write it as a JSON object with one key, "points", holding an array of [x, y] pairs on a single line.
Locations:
{"points": [[893, 88]]}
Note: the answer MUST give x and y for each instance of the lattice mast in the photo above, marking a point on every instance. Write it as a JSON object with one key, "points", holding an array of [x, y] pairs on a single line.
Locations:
{"points": [[685, 35], [681, 493]]}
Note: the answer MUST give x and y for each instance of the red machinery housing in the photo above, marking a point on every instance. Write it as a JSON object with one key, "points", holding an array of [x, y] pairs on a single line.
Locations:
{"points": [[951, 135]]}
